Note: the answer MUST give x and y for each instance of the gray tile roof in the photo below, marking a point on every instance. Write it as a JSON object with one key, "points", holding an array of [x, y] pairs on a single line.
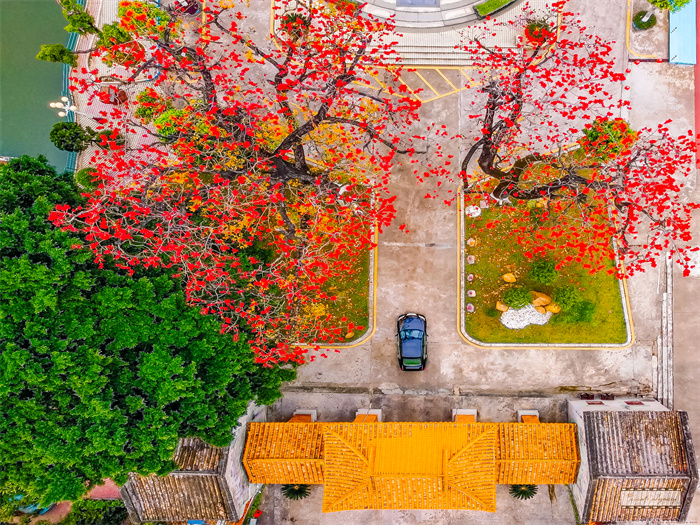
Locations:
{"points": [[636, 444]]}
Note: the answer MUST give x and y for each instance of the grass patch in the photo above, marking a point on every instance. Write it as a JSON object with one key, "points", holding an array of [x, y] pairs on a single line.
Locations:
{"points": [[491, 6], [352, 303], [253, 507], [498, 253]]}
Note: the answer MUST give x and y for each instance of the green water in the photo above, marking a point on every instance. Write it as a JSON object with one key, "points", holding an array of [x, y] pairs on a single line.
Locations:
{"points": [[26, 84]]}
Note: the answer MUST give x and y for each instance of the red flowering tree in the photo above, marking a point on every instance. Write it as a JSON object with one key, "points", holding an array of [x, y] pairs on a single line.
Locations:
{"points": [[257, 167], [548, 132]]}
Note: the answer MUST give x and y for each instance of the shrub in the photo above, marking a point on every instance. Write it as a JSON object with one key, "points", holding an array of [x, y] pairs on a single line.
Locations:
{"points": [[543, 272], [523, 491], [640, 24], [297, 491], [606, 138], [581, 312], [538, 216], [85, 178], [492, 312], [108, 135], [567, 298], [538, 31], [144, 20], [89, 512], [168, 123], [119, 46], [517, 297], [112, 35], [295, 24], [150, 105], [671, 5]]}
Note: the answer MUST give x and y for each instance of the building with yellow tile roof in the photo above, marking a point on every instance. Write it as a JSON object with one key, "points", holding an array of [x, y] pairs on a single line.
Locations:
{"points": [[438, 465]]}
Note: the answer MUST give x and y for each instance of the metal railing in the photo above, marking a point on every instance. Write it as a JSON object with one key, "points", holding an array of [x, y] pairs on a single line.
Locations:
{"points": [[72, 44]]}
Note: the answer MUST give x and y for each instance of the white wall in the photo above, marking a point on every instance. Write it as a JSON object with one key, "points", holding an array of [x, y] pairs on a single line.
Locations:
{"points": [[241, 489]]}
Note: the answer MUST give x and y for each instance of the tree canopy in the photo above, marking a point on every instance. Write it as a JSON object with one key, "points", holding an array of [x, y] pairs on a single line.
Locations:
{"points": [[57, 53], [549, 131], [671, 5], [101, 372], [288, 142], [285, 144]]}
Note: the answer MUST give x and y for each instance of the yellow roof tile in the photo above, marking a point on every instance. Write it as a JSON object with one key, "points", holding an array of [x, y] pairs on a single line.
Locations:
{"points": [[411, 465]]}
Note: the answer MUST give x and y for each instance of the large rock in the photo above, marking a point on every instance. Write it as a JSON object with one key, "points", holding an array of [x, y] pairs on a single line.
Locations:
{"points": [[540, 309], [553, 307], [540, 299], [509, 277], [501, 307]]}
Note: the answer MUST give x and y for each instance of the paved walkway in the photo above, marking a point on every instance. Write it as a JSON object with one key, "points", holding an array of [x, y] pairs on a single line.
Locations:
{"points": [[660, 91]]}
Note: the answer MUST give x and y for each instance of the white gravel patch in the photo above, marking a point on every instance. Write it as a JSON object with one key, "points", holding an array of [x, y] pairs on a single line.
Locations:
{"points": [[515, 319]]}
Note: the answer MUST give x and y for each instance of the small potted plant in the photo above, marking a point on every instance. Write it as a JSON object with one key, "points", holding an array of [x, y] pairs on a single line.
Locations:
{"points": [[644, 20]]}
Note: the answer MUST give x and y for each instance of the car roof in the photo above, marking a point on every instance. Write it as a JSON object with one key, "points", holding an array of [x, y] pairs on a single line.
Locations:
{"points": [[412, 348]]}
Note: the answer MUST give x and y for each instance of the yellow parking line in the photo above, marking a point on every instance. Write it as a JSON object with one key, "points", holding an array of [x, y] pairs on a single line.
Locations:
{"points": [[411, 91], [425, 81], [455, 88]]}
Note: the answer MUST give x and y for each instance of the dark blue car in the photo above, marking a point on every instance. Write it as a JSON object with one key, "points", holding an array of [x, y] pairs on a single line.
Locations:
{"points": [[413, 341]]}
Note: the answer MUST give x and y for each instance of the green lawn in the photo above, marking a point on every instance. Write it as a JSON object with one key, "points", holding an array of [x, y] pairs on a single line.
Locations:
{"points": [[490, 6], [352, 301], [497, 253]]}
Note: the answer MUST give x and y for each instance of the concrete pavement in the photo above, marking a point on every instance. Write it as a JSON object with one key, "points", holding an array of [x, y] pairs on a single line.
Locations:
{"points": [[661, 91], [418, 272]]}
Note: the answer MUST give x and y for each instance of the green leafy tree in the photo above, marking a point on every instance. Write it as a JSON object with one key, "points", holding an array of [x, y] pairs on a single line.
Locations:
{"points": [[671, 5], [70, 136], [57, 53], [79, 21], [101, 372]]}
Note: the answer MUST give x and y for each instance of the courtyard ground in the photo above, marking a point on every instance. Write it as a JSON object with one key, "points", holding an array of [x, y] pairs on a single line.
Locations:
{"points": [[418, 271]]}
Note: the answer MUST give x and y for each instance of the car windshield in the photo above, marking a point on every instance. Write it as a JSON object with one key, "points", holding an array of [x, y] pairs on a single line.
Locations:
{"points": [[411, 334]]}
